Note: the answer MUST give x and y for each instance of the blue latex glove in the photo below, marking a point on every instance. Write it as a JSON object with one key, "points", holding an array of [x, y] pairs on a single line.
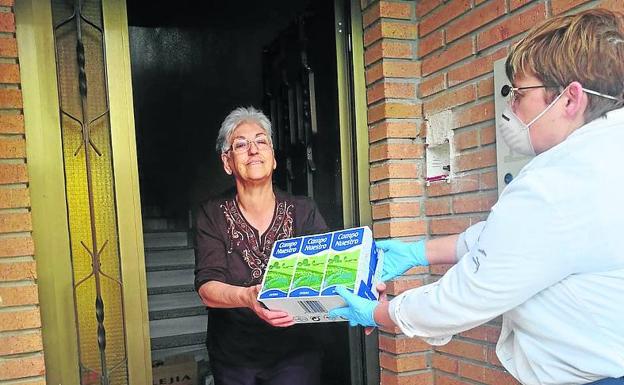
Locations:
{"points": [[399, 257], [359, 311]]}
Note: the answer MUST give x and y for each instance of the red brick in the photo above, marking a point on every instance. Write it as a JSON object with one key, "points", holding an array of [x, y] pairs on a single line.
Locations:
{"points": [[387, 9], [401, 69], [485, 87], [474, 203], [498, 377], [10, 98], [372, 34], [488, 180], [443, 15], [492, 358], [9, 73], [425, 6], [474, 68], [451, 54], [395, 190], [404, 362], [14, 198], [392, 30], [515, 4], [432, 85], [18, 295], [396, 209], [396, 151], [20, 367], [440, 269], [16, 247], [399, 285], [430, 43], [485, 333], [450, 225], [399, 228], [11, 124], [387, 49], [21, 343], [614, 5], [474, 114], [394, 170], [398, 345], [374, 73], [388, 90], [19, 320], [450, 99], [464, 349], [386, 110], [387, 129], [456, 185], [466, 139], [7, 22], [415, 378], [511, 27], [488, 135], [8, 47], [12, 148], [18, 271], [15, 222], [474, 19], [477, 159], [440, 206], [445, 363], [444, 379], [560, 6]]}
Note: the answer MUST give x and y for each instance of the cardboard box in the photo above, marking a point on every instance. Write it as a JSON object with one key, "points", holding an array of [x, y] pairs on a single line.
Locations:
{"points": [[176, 370], [302, 273]]}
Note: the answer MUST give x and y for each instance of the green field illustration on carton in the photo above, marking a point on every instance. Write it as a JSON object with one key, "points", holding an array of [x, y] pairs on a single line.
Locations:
{"points": [[309, 272], [279, 274], [342, 269]]}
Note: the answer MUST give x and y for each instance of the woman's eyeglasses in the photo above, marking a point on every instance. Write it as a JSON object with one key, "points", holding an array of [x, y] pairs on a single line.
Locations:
{"points": [[241, 145]]}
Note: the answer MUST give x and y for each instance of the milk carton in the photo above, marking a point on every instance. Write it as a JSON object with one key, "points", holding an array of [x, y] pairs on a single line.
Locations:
{"points": [[303, 273]]}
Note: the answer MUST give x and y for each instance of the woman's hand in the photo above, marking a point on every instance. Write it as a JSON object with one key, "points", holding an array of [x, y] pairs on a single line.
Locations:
{"points": [[383, 297], [272, 317]]}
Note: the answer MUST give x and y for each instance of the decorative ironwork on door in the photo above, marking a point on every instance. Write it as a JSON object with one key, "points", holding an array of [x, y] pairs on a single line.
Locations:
{"points": [[90, 190]]}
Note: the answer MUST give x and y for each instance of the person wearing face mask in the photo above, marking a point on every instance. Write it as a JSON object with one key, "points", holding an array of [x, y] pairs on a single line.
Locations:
{"points": [[549, 258]]}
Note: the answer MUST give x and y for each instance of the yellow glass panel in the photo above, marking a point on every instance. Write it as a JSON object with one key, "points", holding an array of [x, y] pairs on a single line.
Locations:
{"points": [[87, 177]]}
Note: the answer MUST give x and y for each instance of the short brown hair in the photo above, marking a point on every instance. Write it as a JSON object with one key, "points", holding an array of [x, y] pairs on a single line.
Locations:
{"points": [[587, 47]]}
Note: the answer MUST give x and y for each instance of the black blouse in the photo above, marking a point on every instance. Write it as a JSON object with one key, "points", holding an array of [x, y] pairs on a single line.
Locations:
{"points": [[229, 250]]}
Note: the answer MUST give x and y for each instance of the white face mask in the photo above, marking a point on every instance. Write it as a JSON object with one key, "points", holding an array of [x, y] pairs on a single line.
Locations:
{"points": [[516, 133]]}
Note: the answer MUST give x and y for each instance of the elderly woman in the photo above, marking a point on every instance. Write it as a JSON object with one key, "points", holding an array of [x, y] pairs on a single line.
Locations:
{"points": [[247, 343]]}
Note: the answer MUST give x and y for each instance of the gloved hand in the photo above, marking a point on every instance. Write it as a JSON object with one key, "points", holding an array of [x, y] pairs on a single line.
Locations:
{"points": [[399, 257], [359, 311]]}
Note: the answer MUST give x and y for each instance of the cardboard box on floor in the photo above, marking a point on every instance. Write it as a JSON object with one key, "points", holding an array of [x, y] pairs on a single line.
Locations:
{"points": [[176, 370], [302, 273]]}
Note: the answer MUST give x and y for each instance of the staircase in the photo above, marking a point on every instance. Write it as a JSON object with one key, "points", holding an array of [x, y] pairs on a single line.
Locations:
{"points": [[177, 316]]}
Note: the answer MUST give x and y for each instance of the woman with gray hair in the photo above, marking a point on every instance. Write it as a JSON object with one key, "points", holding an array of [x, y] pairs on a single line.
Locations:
{"points": [[247, 343]]}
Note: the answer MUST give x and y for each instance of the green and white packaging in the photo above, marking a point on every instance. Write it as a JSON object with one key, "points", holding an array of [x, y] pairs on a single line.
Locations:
{"points": [[302, 273]]}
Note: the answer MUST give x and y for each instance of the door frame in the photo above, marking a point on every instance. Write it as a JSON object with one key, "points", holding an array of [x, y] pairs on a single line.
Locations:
{"points": [[47, 188]]}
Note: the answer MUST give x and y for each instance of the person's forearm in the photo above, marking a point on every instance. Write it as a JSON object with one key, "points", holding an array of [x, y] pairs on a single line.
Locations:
{"points": [[442, 250], [222, 295], [381, 315]]}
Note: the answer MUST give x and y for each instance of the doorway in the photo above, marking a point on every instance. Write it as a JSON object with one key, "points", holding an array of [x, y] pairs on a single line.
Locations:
{"points": [[191, 65]]}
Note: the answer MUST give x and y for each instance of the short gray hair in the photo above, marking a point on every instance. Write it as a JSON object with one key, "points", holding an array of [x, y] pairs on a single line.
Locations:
{"points": [[237, 117]]}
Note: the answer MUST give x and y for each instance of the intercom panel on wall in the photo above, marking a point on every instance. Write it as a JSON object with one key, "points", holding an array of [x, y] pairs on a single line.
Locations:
{"points": [[508, 163]]}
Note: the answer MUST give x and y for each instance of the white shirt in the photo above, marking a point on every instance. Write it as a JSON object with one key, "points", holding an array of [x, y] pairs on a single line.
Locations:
{"points": [[550, 259]]}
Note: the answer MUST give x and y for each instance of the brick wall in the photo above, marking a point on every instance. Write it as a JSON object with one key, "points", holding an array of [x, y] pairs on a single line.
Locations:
{"points": [[423, 57], [21, 355]]}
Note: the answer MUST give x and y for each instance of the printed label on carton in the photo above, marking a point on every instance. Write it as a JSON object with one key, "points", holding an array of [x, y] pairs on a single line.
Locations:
{"points": [[310, 267], [280, 270]]}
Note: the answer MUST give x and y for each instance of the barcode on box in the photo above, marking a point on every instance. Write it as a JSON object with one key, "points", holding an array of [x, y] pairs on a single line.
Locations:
{"points": [[312, 307]]}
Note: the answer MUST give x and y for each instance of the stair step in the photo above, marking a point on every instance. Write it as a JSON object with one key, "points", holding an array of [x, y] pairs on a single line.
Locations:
{"points": [[178, 340], [198, 351], [151, 224], [165, 239], [172, 259], [178, 326], [166, 278], [175, 305]]}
